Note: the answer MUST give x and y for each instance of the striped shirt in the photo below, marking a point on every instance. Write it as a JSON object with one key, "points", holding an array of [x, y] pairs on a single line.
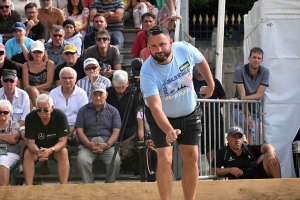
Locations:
{"points": [[111, 7], [85, 84]]}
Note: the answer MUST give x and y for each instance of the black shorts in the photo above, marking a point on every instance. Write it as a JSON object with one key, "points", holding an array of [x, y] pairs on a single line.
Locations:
{"points": [[190, 126], [258, 172]]}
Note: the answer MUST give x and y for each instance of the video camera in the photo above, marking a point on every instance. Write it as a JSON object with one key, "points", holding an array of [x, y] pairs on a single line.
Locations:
{"points": [[136, 65]]}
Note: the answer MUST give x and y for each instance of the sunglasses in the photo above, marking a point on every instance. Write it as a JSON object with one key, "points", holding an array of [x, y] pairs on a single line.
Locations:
{"points": [[38, 51], [100, 39], [1, 53], [8, 80], [42, 109], [91, 68], [4, 112], [70, 53], [57, 35], [1, 7]]}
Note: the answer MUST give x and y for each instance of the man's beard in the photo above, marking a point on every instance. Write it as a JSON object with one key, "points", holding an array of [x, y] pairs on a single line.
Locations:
{"points": [[161, 59]]}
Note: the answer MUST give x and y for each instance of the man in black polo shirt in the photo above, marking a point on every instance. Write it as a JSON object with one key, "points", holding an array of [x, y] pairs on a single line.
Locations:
{"points": [[47, 130], [35, 29], [71, 57], [118, 97], [8, 64], [240, 159]]}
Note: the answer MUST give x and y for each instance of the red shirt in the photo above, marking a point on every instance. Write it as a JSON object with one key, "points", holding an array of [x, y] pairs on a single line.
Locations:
{"points": [[139, 43]]}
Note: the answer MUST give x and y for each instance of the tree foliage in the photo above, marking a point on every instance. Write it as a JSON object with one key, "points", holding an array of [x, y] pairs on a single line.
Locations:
{"points": [[232, 6]]}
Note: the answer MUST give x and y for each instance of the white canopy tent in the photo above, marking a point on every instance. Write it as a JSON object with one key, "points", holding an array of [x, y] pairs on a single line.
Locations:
{"points": [[274, 25]]}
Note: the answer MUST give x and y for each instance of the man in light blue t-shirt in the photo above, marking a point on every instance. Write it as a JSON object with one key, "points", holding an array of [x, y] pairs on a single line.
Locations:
{"points": [[171, 106], [18, 46]]}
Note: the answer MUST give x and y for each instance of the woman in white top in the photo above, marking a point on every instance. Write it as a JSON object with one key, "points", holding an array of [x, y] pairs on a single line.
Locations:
{"points": [[78, 13], [20, 4]]}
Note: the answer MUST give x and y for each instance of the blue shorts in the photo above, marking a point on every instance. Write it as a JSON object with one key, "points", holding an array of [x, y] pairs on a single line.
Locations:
{"points": [[190, 126]]}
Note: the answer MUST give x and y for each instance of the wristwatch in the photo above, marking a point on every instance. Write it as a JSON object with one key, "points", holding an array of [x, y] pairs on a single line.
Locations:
{"points": [[108, 146], [53, 150], [239, 98]]}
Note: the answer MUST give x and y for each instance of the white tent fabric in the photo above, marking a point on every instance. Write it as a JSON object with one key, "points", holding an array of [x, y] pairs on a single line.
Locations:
{"points": [[274, 25]]}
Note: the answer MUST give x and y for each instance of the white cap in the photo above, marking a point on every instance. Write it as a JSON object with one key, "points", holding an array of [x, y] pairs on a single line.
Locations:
{"points": [[89, 61]]}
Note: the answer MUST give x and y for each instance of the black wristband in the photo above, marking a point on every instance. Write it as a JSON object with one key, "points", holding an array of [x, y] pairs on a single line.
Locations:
{"points": [[239, 98]]}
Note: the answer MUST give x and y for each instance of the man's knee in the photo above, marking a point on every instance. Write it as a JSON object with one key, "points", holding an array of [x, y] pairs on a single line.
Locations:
{"points": [[164, 157], [61, 155], [29, 155]]}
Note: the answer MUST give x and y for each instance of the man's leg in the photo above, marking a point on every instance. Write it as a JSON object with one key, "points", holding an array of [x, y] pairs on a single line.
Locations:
{"points": [[190, 170], [63, 165], [274, 172], [106, 157], [28, 166], [4, 176], [164, 173], [85, 159]]}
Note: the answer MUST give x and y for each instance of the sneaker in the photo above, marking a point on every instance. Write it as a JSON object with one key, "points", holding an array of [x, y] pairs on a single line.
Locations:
{"points": [[20, 168]]}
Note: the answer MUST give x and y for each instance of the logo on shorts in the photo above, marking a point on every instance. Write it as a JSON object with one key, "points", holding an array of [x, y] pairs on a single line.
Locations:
{"points": [[41, 136]]}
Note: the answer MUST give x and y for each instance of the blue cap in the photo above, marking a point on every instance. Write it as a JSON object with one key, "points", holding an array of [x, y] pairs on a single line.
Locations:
{"points": [[19, 25]]}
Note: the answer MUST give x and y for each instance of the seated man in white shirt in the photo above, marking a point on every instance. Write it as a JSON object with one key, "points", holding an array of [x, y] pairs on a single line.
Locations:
{"points": [[69, 98]]}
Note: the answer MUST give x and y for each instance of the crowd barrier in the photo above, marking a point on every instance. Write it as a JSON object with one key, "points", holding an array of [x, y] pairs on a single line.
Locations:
{"points": [[217, 117]]}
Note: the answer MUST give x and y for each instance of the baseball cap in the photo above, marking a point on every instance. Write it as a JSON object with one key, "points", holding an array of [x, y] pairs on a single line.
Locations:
{"points": [[37, 46], [70, 48], [9, 74], [89, 61], [2, 47], [98, 87], [19, 25], [234, 130]]}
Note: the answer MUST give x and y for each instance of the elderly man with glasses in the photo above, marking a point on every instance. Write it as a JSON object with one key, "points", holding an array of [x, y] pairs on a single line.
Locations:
{"points": [[8, 17], [92, 71], [56, 47], [47, 130], [107, 55], [97, 126], [69, 98]]}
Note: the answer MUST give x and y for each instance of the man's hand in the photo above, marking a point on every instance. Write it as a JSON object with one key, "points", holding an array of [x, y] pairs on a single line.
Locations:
{"points": [[206, 92], [172, 135], [236, 172], [249, 123], [108, 72], [43, 153], [99, 147], [272, 161], [21, 40], [94, 77], [30, 24]]}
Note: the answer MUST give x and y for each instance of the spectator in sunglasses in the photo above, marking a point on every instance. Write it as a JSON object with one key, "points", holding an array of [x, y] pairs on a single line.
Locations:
{"points": [[92, 71], [38, 72], [47, 130], [71, 60], [8, 64], [19, 100], [57, 44], [9, 140], [8, 18], [106, 54]]}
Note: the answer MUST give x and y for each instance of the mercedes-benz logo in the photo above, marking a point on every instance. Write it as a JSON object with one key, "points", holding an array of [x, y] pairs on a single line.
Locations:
{"points": [[41, 136]]}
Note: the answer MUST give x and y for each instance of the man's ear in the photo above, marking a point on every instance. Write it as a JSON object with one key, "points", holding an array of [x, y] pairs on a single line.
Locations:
{"points": [[171, 41]]}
